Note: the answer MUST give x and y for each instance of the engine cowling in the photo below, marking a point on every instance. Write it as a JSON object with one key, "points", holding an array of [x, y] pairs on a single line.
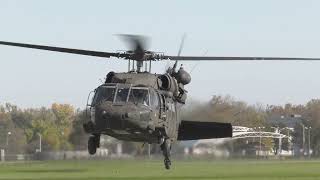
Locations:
{"points": [[168, 83]]}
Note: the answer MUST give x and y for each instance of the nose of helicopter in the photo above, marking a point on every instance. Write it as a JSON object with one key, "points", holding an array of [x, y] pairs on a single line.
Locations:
{"points": [[122, 117]]}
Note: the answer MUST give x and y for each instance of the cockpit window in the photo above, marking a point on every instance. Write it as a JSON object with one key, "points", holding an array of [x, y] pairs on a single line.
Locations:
{"points": [[122, 94], [139, 96], [136, 95], [154, 99], [103, 93]]}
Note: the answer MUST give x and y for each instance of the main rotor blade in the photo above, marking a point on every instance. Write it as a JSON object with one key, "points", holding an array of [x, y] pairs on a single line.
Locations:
{"points": [[179, 52], [64, 50], [226, 58], [181, 44]]}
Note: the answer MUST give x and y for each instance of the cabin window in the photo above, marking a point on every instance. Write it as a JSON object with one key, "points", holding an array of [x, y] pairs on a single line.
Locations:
{"points": [[103, 94], [139, 96], [154, 99], [122, 94]]}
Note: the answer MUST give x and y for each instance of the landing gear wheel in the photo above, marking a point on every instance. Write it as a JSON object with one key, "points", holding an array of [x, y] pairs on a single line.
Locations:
{"points": [[166, 148], [167, 163], [93, 144], [92, 148]]}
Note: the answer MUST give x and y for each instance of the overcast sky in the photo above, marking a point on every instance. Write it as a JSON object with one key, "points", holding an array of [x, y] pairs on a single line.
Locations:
{"points": [[32, 78]]}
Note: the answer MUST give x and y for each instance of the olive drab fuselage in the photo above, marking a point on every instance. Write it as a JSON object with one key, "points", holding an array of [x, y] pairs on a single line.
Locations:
{"points": [[140, 107]]}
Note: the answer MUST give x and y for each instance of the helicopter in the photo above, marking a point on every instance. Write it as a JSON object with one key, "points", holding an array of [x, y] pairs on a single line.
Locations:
{"points": [[142, 106]]}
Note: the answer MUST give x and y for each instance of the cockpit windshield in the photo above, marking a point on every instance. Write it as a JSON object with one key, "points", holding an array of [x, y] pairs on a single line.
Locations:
{"points": [[122, 95], [139, 96], [103, 93], [136, 95]]}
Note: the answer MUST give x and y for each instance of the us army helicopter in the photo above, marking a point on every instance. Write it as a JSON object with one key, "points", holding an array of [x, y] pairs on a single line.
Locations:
{"points": [[142, 106]]}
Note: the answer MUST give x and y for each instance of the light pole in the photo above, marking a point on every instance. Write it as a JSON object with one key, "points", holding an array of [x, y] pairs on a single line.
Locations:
{"points": [[289, 139], [8, 134], [309, 138], [260, 138], [40, 137], [277, 130], [149, 150], [303, 134], [303, 138]]}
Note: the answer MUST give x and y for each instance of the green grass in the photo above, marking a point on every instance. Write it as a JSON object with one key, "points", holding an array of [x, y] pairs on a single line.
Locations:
{"points": [[154, 170]]}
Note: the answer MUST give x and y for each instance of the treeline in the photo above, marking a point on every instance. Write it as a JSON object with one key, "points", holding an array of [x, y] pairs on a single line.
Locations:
{"points": [[60, 126], [226, 109]]}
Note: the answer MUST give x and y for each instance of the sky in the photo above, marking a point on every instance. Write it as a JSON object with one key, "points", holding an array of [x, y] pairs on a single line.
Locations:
{"points": [[286, 28]]}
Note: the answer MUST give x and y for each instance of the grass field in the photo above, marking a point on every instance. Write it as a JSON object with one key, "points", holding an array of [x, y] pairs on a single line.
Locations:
{"points": [[130, 169]]}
